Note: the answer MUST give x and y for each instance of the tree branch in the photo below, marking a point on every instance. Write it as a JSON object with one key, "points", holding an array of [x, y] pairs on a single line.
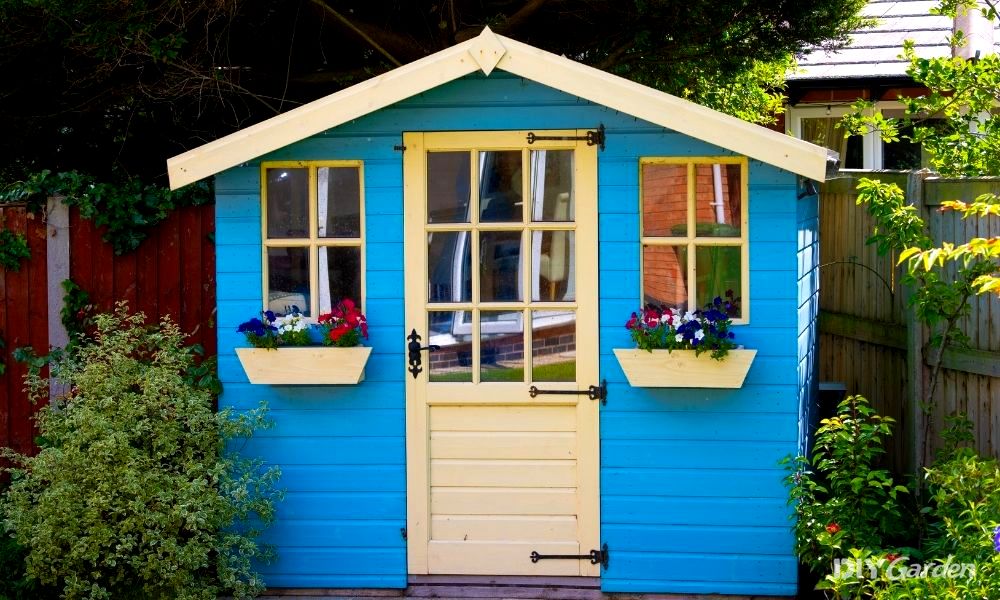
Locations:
{"points": [[367, 38]]}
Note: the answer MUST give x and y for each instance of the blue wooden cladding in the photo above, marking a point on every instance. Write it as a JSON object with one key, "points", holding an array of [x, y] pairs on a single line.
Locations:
{"points": [[692, 499]]}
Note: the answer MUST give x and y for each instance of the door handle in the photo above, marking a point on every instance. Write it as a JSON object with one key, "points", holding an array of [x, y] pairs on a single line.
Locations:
{"points": [[413, 352]]}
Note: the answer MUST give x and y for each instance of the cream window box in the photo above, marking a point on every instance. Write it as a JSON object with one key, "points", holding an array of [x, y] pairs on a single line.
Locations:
{"points": [[682, 369], [306, 365]]}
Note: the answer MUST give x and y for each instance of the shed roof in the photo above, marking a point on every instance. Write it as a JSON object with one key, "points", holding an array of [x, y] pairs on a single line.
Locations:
{"points": [[487, 52]]}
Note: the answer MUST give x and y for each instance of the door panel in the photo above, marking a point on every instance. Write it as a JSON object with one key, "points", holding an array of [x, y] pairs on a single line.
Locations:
{"points": [[501, 275]]}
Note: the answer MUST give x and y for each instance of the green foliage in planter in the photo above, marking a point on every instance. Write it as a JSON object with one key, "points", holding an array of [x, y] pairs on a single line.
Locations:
{"points": [[842, 500], [13, 249], [134, 494], [129, 208]]}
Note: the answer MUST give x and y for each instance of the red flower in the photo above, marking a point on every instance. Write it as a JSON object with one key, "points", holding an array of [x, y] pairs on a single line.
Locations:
{"points": [[892, 557], [832, 528]]}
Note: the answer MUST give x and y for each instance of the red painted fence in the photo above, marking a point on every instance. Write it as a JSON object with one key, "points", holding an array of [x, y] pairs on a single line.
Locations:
{"points": [[171, 273]]}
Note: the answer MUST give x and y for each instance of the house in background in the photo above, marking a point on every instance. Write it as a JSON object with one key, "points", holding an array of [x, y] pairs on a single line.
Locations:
{"points": [[870, 68], [513, 208]]}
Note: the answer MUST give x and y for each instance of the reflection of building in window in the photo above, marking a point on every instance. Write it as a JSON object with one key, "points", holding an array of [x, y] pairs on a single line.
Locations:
{"points": [[313, 236], [692, 229], [501, 226]]}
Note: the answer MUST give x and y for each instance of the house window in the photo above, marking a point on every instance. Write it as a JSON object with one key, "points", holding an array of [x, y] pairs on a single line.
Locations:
{"points": [[694, 231], [313, 224]]}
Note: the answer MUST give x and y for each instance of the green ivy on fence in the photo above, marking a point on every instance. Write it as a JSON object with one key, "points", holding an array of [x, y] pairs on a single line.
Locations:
{"points": [[13, 250], [128, 208]]}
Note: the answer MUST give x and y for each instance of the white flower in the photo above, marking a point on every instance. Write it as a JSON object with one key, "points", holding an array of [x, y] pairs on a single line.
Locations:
{"points": [[688, 316], [679, 337], [699, 335]]}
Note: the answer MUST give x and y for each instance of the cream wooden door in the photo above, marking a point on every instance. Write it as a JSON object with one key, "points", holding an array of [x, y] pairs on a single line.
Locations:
{"points": [[501, 275]]}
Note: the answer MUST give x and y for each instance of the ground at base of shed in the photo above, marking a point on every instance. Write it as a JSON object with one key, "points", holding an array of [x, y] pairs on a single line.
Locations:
{"points": [[452, 587]]}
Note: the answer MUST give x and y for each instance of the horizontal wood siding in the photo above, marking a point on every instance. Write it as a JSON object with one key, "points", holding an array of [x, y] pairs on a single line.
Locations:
{"points": [[340, 448], [808, 298], [679, 468], [676, 464]]}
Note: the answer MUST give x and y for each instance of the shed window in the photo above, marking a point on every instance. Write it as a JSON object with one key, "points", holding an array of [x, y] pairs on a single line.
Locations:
{"points": [[694, 231], [313, 223]]}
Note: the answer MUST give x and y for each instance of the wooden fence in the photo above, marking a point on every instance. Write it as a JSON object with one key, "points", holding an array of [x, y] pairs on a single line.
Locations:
{"points": [[171, 273], [869, 337]]}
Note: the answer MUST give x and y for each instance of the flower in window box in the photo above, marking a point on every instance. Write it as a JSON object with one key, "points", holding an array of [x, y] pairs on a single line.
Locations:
{"points": [[261, 333], [705, 330], [344, 326]]}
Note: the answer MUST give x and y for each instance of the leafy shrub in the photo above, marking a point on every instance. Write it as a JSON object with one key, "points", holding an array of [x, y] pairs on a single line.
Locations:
{"points": [[13, 250], [841, 499], [133, 494], [14, 583]]}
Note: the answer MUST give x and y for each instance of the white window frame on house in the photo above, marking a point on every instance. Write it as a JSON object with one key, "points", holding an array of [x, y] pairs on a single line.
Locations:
{"points": [[870, 142], [313, 242], [691, 240], [873, 158]]}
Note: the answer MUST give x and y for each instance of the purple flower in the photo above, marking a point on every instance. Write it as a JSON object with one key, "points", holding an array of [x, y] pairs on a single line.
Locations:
{"points": [[269, 315], [996, 539], [253, 326], [717, 301]]}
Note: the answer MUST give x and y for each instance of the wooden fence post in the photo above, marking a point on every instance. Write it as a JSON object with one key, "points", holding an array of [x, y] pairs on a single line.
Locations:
{"points": [[915, 346], [57, 269]]}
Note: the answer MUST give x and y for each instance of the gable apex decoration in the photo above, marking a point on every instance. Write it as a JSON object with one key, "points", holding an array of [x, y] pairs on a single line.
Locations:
{"points": [[486, 52]]}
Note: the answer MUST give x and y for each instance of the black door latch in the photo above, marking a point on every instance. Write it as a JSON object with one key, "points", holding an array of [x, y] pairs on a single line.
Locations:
{"points": [[414, 349]]}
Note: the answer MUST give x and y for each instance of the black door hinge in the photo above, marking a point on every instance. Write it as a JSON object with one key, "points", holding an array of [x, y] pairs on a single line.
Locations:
{"points": [[596, 557], [399, 148], [593, 138], [594, 392], [402, 532]]}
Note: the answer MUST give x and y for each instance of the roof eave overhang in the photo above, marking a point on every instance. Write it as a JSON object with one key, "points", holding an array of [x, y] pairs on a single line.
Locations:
{"points": [[485, 53]]}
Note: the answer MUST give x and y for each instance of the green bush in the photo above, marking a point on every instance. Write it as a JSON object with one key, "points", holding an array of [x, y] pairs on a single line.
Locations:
{"points": [[133, 494], [841, 499], [847, 509]]}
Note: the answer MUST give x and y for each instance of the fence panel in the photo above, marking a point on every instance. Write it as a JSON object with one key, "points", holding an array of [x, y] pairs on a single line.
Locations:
{"points": [[864, 318], [23, 322], [171, 273]]}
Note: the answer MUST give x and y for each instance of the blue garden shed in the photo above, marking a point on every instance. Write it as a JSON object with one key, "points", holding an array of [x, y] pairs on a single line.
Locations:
{"points": [[512, 208]]}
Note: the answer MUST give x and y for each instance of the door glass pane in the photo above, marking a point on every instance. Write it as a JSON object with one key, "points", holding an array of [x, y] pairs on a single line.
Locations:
{"points": [[288, 280], [718, 200], [287, 203], [500, 186], [450, 331], [501, 348], [339, 276], [448, 187], [719, 272], [339, 202], [664, 276], [500, 266], [553, 260], [449, 277], [553, 345], [552, 185], [664, 200]]}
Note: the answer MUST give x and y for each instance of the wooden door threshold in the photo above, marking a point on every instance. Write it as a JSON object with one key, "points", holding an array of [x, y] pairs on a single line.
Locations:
{"points": [[500, 587]]}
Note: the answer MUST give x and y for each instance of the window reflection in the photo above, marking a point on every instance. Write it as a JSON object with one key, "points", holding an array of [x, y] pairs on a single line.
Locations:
{"points": [[500, 185]]}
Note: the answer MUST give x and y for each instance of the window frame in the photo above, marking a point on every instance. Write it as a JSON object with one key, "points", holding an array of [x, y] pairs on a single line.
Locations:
{"points": [[691, 240], [313, 243]]}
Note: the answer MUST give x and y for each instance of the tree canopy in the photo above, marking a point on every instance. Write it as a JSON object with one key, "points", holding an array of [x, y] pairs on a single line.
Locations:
{"points": [[109, 86]]}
